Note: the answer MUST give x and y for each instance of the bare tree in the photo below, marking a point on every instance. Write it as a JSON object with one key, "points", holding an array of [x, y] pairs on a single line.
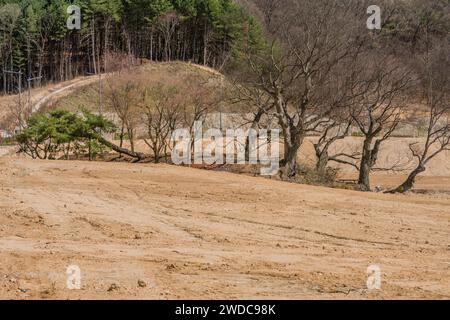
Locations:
{"points": [[160, 107], [344, 80], [253, 102], [378, 109], [122, 99], [199, 100], [311, 39], [19, 112], [435, 88], [167, 24], [333, 131]]}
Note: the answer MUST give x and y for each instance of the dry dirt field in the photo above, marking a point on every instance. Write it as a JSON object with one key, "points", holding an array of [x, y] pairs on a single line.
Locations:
{"points": [[194, 234]]}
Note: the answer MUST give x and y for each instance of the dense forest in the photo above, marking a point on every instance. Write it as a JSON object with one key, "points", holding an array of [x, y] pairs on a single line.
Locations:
{"points": [[36, 42], [35, 39]]}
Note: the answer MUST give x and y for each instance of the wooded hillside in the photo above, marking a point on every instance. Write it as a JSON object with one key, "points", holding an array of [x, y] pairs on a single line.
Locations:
{"points": [[35, 40]]}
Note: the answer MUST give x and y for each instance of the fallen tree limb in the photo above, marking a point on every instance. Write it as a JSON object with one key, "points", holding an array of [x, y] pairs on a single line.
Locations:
{"points": [[136, 155]]}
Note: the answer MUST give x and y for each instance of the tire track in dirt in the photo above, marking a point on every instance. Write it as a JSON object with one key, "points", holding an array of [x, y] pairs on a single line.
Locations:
{"points": [[196, 234]]}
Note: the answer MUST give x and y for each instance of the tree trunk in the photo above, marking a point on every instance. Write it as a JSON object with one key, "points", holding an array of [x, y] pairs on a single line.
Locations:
{"points": [[93, 45], [137, 155], [205, 45], [368, 160], [105, 53], [292, 144], [254, 126], [322, 160], [90, 149], [290, 163], [364, 175], [409, 182], [151, 45], [122, 135], [131, 138]]}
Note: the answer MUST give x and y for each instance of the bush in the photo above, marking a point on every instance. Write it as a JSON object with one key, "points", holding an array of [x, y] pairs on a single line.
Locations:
{"points": [[309, 175], [60, 132]]}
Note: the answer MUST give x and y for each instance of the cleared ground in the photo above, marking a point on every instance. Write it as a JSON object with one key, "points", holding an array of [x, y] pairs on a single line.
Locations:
{"points": [[191, 233]]}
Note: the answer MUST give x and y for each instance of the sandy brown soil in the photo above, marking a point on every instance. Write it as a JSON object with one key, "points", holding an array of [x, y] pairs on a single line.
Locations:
{"points": [[191, 233]]}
